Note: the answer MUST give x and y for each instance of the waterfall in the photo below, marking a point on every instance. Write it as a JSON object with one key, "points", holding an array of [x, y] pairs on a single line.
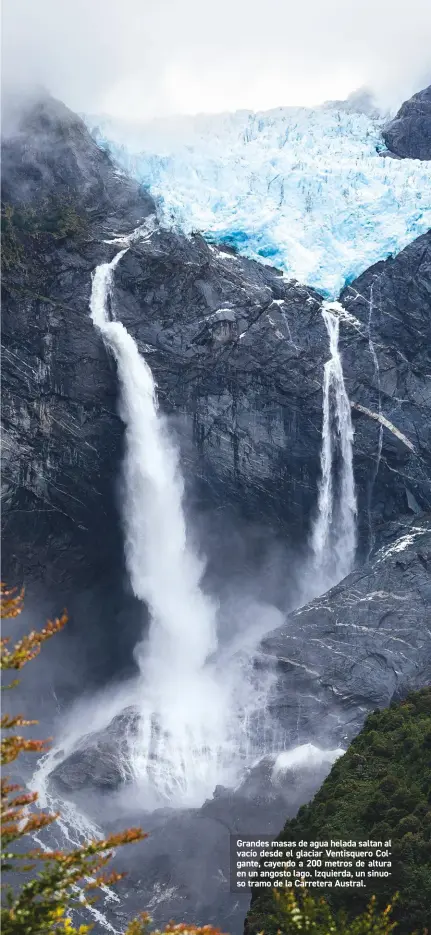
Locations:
{"points": [[334, 532], [163, 569], [380, 432], [183, 725]]}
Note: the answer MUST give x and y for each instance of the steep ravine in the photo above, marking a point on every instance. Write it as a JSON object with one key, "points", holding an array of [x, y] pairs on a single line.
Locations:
{"points": [[408, 135]]}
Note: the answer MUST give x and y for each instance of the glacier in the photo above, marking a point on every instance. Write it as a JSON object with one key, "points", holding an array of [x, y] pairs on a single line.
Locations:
{"points": [[306, 190]]}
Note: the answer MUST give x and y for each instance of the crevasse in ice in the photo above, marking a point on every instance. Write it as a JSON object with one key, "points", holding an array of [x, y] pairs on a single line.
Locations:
{"points": [[304, 190]]}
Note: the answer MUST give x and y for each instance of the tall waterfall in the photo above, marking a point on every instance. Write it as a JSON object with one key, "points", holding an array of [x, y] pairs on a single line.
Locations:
{"points": [[375, 360], [184, 710], [334, 531]]}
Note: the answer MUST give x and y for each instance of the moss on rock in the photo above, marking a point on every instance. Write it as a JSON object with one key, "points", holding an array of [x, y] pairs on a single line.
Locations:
{"points": [[22, 227]]}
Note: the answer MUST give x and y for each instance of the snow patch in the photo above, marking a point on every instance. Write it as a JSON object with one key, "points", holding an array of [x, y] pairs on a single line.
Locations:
{"points": [[401, 544]]}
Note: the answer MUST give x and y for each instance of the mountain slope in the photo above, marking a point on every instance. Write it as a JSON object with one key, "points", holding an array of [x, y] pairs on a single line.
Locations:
{"points": [[408, 135], [358, 646]]}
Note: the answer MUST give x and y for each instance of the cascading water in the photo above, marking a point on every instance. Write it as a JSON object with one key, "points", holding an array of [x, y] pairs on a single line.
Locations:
{"points": [[375, 360], [334, 532], [185, 739], [198, 714]]}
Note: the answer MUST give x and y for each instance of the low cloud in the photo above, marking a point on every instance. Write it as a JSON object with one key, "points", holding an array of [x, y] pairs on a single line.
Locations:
{"points": [[138, 60]]}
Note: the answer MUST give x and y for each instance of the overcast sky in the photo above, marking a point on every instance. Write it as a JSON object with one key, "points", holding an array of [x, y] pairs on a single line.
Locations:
{"points": [[142, 58]]}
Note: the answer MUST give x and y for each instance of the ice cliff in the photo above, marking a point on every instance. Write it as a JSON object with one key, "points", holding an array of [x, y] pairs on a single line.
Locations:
{"points": [[308, 191]]}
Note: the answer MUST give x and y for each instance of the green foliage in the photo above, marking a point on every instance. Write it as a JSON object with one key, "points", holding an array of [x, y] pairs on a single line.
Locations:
{"points": [[290, 913], [23, 227], [379, 790]]}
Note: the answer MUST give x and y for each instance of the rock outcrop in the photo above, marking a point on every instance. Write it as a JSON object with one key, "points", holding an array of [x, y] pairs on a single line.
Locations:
{"points": [[359, 646], [386, 360], [47, 152], [408, 135]]}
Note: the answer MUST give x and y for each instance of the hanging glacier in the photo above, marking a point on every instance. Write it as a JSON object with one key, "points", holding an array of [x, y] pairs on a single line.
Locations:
{"points": [[304, 190]]}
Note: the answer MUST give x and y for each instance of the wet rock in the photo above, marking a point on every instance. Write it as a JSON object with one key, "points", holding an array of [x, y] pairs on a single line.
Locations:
{"points": [[98, 761], [386, 359], [96, 766]]}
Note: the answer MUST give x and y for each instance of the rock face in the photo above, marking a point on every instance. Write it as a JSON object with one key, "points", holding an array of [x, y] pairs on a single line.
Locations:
{"points": [[97, 763], [235, 348], [61, 196], [362, 644], [238, 353], [409, 134], [62, 439], [248, 349], [387, 364]]}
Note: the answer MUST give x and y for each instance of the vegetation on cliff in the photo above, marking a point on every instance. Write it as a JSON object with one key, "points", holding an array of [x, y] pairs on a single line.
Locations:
{"points": [[53, 220], [379, 790]]}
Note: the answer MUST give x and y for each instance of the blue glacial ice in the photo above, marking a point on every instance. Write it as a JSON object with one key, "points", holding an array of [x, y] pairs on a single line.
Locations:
{"points": [[304, 190]]}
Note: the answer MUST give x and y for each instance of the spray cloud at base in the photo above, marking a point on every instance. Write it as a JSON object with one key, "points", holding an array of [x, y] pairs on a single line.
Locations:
{"points": [[195, 705]]}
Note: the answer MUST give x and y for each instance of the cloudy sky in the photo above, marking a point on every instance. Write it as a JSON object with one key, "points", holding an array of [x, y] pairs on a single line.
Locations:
{"points": [[143, 58]]}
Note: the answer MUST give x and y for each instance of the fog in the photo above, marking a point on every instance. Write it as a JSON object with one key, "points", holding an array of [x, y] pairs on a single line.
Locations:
{"points": [[138, 60]]}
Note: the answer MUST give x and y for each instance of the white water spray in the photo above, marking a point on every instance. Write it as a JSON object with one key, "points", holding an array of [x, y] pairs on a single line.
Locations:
{"points": [[334, 532], [72, 829], [187, 736], [164, 571]]}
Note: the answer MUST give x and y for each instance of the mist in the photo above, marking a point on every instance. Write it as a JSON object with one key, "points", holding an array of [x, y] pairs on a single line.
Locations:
{"points": [[137, 60]]}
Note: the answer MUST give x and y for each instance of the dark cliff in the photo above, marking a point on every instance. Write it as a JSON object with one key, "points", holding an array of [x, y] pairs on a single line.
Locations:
{"points": [[61, 452], [238, 353], [409, 134], [234, 347]]}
